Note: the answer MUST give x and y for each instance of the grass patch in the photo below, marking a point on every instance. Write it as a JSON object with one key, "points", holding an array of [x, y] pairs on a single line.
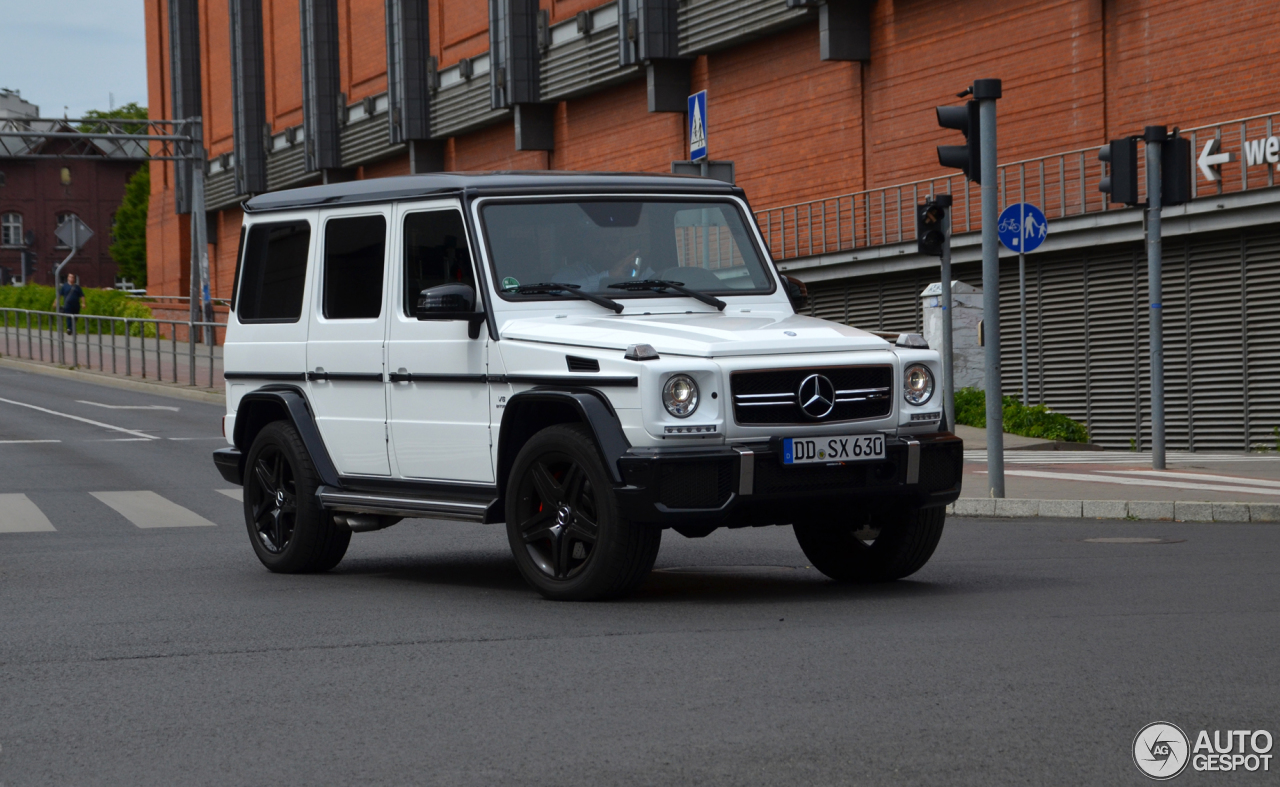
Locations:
{"points": [[1028, 421]]}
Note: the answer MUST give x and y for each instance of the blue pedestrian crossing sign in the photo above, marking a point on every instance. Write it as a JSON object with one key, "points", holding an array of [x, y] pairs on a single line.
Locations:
{"points": [[698, 126], [1023, 227]]}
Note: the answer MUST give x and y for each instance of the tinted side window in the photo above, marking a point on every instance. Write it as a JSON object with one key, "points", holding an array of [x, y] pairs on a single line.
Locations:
{"points": [[435, 252], [274, 272], [354, 256]]}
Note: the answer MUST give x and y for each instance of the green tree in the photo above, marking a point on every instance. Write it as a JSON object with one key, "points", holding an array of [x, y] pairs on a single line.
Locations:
{"points": [[125, 111], [129, 233]]}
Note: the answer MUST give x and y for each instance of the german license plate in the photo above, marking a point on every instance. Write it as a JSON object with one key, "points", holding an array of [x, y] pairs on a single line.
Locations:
{"points": [[847, 448]]}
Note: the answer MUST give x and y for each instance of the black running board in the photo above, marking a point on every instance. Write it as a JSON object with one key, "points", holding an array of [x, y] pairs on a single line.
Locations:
{"points": [[399, 505]]}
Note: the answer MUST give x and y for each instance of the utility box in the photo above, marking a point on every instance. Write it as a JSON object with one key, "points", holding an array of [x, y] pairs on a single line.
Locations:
{"points": [[966, 312]]}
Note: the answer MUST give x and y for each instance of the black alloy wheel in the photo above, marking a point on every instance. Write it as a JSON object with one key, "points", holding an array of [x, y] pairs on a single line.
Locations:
{"points": [[275, 509], [876, 546], [560, 516], [567, 535], [288, 529]]}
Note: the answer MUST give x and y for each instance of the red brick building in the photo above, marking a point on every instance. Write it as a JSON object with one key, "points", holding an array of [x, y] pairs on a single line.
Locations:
{"points": [[809, 98], [37, 194]]}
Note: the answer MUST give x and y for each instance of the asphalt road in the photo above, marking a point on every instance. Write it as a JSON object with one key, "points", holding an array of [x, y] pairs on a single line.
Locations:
{"points": [[1022, 654]]}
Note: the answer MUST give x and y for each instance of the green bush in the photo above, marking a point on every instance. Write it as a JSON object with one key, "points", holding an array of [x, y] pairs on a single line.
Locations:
{"points": [[107, 303], [1027, 421]]}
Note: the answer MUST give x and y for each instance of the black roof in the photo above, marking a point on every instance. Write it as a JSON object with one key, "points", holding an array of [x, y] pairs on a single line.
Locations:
{"points": [[443, 183]]}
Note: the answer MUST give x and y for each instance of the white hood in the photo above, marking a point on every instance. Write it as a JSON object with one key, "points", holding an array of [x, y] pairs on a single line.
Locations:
{"points": [[704, 334]]}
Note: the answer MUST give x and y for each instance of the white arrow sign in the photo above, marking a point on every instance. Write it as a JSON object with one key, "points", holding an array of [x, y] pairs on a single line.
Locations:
{"points": [[1211, 158]]}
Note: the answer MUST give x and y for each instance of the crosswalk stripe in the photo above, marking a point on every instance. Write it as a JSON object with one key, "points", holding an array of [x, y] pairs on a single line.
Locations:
{"points": [[1176, 474], [19, 515], [149, 510], [1103, 479], [234, 494], [1111, 457]]}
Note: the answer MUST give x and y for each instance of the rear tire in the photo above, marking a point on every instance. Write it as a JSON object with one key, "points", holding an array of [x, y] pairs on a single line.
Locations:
{"points": [[905, 542], [289, 531], [569, 540]]}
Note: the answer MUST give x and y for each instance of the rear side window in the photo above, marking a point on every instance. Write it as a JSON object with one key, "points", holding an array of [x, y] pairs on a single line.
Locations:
{"points": [[435, 252], [274, 272], [355, 251]]}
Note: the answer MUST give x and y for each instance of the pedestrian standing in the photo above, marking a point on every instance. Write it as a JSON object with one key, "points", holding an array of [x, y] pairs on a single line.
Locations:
{"points": [[70, 294]]}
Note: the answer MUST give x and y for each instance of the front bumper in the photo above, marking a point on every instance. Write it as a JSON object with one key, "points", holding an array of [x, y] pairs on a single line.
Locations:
{"points": [[741, 486]]}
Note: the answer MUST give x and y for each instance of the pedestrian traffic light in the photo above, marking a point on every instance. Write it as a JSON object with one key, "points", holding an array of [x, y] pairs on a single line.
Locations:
{"points": [[966, 157], [1121, 182], [28, 265], [930, 221], [1175, 170]]}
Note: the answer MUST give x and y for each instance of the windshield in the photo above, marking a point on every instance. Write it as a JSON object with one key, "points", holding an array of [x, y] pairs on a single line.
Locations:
{"points": [[594, 243]]}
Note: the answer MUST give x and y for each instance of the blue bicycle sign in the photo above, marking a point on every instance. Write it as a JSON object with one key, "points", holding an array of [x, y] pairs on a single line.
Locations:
{"points": [[1023, 227]]}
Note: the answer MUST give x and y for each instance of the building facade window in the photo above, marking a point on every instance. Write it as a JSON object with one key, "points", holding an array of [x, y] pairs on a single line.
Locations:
{"points": [[11, 229]]}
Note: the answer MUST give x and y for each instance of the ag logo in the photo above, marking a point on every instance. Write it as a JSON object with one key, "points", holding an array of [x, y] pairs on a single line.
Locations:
{"points": [[1160, 750]]}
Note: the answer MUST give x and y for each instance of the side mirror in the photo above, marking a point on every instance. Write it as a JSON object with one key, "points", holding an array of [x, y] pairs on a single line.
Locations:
{"points": [[797, 292], [451, 302]]}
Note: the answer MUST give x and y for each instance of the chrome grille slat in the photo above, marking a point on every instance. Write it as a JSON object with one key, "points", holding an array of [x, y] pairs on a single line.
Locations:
{"points": [[860, 393]]}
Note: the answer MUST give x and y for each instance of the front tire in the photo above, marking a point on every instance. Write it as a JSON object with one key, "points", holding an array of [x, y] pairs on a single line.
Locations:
{"points": [[903, 540], [569, 540], [289, 531]]}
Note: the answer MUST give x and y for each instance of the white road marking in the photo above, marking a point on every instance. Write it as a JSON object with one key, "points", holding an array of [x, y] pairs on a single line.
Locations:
{"points": [[148, 510], [234, 494], [19, 515], [123, 440], [133, 432], [1103, 479], [1230, 479], [196, 438], [16, 442], [129, 406]]}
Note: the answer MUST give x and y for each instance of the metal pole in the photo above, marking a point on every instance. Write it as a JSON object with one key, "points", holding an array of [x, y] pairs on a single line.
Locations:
{"points": [[986, 91], [200, 231], [1022, 295], [948, 368], [1154, 136]]}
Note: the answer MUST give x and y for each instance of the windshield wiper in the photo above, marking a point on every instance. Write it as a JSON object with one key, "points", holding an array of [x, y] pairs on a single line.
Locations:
{"points": [[552, 288], [659, 285]]}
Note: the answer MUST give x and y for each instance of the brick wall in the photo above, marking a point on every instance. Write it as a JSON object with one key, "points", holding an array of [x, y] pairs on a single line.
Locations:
{"points": [[1075, 73]]}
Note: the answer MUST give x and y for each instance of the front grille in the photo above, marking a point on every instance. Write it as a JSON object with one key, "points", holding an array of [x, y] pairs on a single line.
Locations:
{"points": [[772, 397], [695, 484]]}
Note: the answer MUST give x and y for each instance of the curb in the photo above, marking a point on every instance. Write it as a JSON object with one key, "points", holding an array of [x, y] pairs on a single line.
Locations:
{"points": [[1141, 510], [203, 395]]}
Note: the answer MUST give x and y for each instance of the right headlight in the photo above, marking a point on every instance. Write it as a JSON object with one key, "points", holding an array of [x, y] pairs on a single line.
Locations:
{"points": [[917, 387], [680, 395]]}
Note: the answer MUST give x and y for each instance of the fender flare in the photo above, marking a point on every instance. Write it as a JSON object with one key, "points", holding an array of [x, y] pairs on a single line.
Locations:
{"points": [[592, 409], [298, 411]]}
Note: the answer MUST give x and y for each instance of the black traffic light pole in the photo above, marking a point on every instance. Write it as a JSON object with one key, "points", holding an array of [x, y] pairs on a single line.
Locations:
{"points": [[977, 158], [1154, 137], [933, 237], [1168, 159]]}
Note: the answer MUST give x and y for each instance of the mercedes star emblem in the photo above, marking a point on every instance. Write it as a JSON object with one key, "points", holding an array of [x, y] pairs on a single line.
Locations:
{"points": [[817, 396]]}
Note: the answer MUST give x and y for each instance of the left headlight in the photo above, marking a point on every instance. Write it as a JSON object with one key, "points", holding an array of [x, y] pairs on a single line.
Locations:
{"points": [[917, 385], [680, 395]]}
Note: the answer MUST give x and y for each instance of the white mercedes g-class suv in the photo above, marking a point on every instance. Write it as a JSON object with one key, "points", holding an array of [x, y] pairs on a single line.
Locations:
{"points": [[589, 358]]}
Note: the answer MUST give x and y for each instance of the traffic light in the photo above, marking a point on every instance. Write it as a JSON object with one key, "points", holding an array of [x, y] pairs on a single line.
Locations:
{"points": [[28, 265], [1175, 170], [1121, 182], [930, 219], [966, 157]]}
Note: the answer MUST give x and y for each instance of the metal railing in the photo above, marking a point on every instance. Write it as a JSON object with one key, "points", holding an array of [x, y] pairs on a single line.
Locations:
{"points": [[130, 346], [1061, 184]]}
